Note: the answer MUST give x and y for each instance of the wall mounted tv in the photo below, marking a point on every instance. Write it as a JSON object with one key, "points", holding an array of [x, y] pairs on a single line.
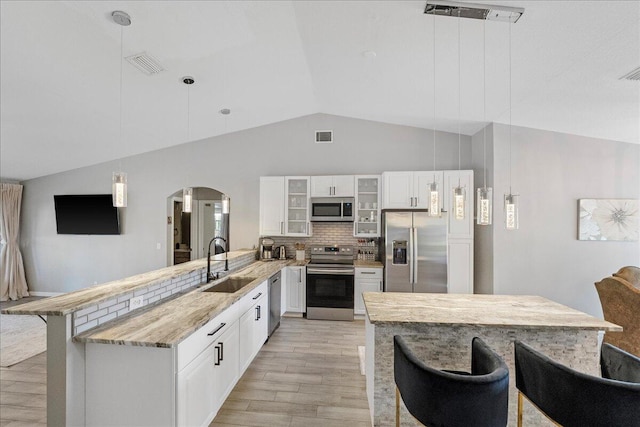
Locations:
{"points": [[86, 214]]}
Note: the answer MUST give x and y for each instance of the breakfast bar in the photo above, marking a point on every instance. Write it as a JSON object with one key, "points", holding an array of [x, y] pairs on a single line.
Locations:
{"points": [[439, 329]]}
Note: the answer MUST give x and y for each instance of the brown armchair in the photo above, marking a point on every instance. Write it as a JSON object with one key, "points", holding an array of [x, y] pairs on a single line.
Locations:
{"points": [[620, 300]]}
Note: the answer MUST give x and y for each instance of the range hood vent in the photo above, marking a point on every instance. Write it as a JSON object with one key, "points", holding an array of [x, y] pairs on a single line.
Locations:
{"points": [[145, 63], [474, 11], [324, 137], [633, 75]]}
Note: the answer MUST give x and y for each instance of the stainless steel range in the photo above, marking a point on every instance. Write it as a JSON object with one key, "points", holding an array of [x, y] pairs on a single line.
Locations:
{"points": [[330, 276]]}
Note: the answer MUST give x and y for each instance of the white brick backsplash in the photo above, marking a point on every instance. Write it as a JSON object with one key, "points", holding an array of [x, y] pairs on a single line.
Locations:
{"points": [[125, 297], [80, 320], [86, 326], [140, 292], [107, 303], [106, 318], [117, 307], [154, 299], [98, 313], [85, 311]]}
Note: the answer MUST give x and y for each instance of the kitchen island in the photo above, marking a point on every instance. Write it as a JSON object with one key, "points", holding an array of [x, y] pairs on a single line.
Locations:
{"points": [[439, 329], [174, 308]]}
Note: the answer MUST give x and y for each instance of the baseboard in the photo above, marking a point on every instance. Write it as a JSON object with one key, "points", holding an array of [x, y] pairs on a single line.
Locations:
{"points": [[44, 294]]}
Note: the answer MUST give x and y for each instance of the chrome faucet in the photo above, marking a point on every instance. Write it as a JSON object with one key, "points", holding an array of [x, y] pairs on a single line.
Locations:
{"points": [[210, 276]]}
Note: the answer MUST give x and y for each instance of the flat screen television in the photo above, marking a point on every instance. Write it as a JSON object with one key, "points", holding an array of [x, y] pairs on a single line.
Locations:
{"points": [[86, 214]]}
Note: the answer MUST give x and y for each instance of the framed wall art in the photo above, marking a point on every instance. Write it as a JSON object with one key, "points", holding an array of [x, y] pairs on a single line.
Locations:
{"points": [[609, 219]]}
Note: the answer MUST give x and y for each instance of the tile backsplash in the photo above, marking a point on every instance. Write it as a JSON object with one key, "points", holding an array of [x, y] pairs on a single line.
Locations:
{"points": [[325, 233]]}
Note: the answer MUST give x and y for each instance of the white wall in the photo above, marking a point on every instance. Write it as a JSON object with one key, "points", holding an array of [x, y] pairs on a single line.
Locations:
{"points": [[231, 164], [551, 171]]}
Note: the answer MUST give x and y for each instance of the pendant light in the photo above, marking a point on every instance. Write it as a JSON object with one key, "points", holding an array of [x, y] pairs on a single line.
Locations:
{"points": [[484, 194], [434, 194], [119, 179], [187, 192], [510, 200], [459, 193]]}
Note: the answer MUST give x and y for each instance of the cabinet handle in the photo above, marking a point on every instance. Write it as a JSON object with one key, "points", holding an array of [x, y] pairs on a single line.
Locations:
{"points": [[217, 362], [222, 325], [258, 313], [221, 351], [281, 227], [380, 286], [257, 296], [367, 272], [417, 201], [300, 276]]}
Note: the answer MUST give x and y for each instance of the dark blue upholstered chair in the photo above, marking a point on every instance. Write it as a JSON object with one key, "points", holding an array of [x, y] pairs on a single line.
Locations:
{"points": [[448, 398], [617, 364], [571, 398]]}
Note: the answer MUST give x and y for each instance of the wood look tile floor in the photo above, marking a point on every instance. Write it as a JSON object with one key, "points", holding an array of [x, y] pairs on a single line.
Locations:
{"points": [[306, 375]]}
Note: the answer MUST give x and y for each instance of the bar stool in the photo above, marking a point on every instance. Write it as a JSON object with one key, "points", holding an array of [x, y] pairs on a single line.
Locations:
{"points": [[617, 364], [571, 398], [449, 398]]}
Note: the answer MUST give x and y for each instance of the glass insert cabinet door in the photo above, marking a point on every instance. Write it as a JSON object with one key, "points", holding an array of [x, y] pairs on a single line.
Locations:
{"points": [[297, 211], [367, 217]]}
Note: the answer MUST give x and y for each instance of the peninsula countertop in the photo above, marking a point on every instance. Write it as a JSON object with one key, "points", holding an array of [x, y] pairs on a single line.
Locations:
{"points": [[480, 310], [168, 323], [68, 303]]}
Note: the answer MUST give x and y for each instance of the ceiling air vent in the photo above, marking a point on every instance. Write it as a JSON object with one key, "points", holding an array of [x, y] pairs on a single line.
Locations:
{"points": [[145, 63], [633, 75], [324, 137], [473, 11]]}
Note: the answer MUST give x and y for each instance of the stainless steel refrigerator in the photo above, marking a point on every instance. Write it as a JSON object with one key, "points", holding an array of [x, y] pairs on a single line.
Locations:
{"points": [[414, 252]]}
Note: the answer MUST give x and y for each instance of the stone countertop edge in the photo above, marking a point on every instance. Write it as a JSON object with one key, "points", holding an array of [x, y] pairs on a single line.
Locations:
{"points": [[369, 264], [70, 302], [392, 308], [167, 324]]}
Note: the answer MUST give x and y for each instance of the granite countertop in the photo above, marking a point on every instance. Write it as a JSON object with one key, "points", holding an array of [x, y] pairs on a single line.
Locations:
{"points": [[480, 310], [73, 301], [369, 264], [168, 323]]}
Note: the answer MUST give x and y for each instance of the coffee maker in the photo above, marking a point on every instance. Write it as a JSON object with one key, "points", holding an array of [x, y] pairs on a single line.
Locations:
{"points": [[266, 250]]}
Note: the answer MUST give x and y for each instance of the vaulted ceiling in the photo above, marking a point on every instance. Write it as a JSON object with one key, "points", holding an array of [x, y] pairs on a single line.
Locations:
{"points": [[269, 61]]}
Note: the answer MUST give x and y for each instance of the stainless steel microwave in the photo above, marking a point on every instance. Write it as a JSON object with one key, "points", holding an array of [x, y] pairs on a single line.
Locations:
{"points": [[332, 209]]}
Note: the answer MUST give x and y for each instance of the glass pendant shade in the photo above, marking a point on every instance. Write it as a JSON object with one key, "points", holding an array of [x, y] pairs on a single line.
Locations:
{"points": [[485, 209], [434, 199], [225, 204], [187, 199], [511, 211], [119, 189], [459, 202]]}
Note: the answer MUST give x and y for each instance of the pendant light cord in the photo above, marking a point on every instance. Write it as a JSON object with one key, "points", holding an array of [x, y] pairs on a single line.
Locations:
{"points": [[510, 167], [459, 99], [434, 94], [120, 99], [484, 99]]}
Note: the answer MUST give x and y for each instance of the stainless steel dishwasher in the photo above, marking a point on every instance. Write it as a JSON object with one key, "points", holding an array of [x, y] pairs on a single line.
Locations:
{"points": [[275, 285]]}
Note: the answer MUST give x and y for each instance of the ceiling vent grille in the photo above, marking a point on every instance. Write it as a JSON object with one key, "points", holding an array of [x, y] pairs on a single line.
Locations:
{"points": [[633, 75], [324, 137], [473, 11], [145, 63]]}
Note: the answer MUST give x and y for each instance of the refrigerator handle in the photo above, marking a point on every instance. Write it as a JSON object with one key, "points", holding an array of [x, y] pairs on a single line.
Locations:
{"points": [[415, 255], [411, 255]]}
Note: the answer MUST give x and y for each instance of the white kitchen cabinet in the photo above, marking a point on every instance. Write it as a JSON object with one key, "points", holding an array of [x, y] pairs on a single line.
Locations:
{"points": [[332, 186], [410, 189], [272, 198], [284, 206], [296, 220], [367, 218], [296, 289], [366, 279], [253, 330], [226, 365], [460, 266], [459, 228]]}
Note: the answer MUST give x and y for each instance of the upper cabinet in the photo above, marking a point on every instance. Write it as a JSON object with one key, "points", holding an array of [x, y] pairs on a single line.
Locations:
{"points": [[459, 227], [272, 205], [410, 190], [284, 206], [367, 202], [332, 186], [297, 206]]}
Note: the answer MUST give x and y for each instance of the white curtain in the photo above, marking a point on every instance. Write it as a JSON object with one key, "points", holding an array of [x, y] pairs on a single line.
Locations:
{"points": [[13, 284]]}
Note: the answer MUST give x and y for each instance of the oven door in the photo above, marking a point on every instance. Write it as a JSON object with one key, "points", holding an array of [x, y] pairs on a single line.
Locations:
{"points": [[330, 294]]}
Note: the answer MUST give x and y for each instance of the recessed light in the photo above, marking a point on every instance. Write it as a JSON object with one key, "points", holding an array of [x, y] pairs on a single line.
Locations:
{"points": [[225, 111], [188, 80], [121, 18], [369, 54]]}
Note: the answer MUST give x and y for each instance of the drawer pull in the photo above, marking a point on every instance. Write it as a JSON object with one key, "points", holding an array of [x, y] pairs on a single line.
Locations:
{"points": [[221, 351], [367, 272], [257, 313], [222, 325], [218, 359], [257, 296]]}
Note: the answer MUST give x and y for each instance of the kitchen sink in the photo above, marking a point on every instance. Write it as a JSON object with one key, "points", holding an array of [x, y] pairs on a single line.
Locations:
{"points": [[231, 284]]}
